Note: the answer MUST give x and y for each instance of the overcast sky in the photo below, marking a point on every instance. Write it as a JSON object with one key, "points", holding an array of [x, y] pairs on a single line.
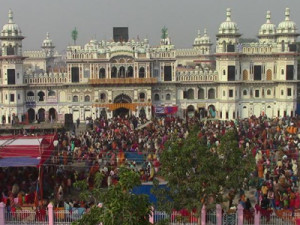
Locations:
{"points": [[95, 18]]}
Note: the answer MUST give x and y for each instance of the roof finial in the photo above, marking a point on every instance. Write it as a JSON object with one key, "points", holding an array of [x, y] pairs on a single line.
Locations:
{"points": [[287, 14], [10, 16], [268, 17], [47, 35], [199, 33], [205, 31], [228, 14]]}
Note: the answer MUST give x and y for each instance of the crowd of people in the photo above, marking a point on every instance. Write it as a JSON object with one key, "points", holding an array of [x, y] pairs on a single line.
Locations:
{"points": [[137, 144]]}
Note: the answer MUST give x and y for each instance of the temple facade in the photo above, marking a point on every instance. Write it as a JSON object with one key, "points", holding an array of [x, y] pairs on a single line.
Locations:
{"points": [[108, 78]]}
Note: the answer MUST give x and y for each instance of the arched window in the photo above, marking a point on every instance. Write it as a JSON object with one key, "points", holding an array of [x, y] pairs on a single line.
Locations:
{"points": [[122, 72], [10, 50], [130, 71], [142, 96], [201, 93], [156, 97], [75, 98], [51, 93], [142, 72], [87, 98], [102, 73], [41, 95], [224, 46], [211, 93], [102, 97], [245, 92], [190, 94], [114, 72], [268, 92], [282, 46], [30, 93], [168, 97]]}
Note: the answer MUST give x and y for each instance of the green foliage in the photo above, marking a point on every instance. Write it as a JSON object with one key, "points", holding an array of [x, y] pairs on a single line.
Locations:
{"points": [[198, 175], [119, 205]]}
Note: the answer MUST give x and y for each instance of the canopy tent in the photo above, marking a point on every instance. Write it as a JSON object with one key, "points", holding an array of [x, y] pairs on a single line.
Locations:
{"points": [[18, 151]]}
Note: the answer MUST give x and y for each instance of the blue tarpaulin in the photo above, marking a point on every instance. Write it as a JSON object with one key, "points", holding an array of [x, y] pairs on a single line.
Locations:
{"points": [[134, 156], [19, 161], [146, 189]]}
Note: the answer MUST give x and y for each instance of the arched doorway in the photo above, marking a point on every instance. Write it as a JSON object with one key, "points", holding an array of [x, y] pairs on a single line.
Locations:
{"points": [[190, 111], [103, 114], [257, 110], [142, 113], [122, 111], [52, 114], [269, 112], [245, 113], [41, 115], [31, 115], [212, 111], [122, 98]]}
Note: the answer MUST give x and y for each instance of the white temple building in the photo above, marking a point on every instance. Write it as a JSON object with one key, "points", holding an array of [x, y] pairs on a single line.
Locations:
{"points": [[108, 78]]}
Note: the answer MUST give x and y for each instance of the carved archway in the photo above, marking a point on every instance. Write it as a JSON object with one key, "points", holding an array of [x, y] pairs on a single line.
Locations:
{"points": [[122, 98]]}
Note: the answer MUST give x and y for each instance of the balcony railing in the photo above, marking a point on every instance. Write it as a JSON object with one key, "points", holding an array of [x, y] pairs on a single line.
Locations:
{"points": [[30, 98], [150, 80]]}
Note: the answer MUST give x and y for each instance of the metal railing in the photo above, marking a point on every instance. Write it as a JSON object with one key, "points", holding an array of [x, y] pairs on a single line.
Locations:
{"points": [[285, 219], [63, 216], [176, 218], [26, 217], [211, 218], [148, 80]]}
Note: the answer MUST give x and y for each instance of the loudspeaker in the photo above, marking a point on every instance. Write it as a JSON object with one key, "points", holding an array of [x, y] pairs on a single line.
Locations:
{"points": [[69, 120]]}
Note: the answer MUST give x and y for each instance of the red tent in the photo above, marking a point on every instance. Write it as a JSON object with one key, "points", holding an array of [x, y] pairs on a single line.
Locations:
{"points": [[17, 151]]}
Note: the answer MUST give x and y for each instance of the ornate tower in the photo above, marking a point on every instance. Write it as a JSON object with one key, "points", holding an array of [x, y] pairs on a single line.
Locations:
{"points": [[203, 43], [48, 46], [267, 32], [12, 60], [227, 50], [12, 91], [228, 67]]}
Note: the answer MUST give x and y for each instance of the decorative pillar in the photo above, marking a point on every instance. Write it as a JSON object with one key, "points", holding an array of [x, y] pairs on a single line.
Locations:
{"points": [[203, 215], [151, 217], [256, 217], [6, 117], [219, 214], [240, 211], [50, 214], [2, 213]]}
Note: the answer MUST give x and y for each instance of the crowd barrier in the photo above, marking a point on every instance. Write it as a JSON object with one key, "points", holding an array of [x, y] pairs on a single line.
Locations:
{"points": [[217, 216]]}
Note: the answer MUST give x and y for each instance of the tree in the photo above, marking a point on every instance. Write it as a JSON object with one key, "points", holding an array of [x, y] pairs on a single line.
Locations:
{"points": [[74, 35], [119, 205], [197, 174]]}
